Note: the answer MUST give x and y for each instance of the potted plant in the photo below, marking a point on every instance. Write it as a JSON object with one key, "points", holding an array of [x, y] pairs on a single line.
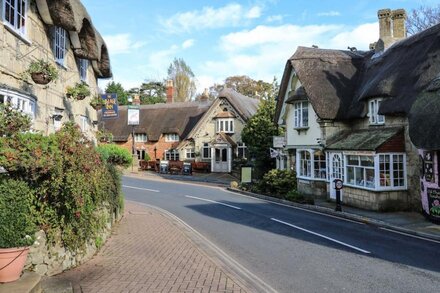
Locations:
{"points": [[97, 103], [17, 228], [78, 92], [42, 72]]}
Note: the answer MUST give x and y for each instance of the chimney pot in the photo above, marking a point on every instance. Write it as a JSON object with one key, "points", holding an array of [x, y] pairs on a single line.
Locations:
{"points": [[170, 91], [399, 18]]}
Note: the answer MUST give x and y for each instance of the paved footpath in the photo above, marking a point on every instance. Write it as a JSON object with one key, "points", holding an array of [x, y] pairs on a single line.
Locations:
{"points": [[150, 252]]}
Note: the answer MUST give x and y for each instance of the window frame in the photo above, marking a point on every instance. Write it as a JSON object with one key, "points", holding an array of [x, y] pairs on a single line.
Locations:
{"points": [[19, 29], [190, 153], [172, 137], [305, 168], [83, 66], [206, 146], [241, 146], [60, 45], [373, 112], [225, 125], [301, 121], [20, 102], [84, 123], [140, 137], [171, 155]]}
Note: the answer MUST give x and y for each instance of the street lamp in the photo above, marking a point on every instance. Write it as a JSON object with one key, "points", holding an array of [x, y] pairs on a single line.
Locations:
{"points": [[155, 150]]}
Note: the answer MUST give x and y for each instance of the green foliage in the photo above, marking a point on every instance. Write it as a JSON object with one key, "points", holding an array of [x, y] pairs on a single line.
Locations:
{"points": [[13, 121], [97, 102], [115, 155], [118, 89], [295, 196], [257, 135], [103, 135], [184, 81], [247, 86], [17, 227], [277, 183], [70, 182], [41, 66], [78, 91], [151, 92]]}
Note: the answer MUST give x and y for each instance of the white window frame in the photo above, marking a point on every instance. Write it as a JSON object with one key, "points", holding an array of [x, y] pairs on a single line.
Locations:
{"points": [[377, 172], [207, 147], [190, 153], [225, 125], [301, 114], [84, 123], [171, 137], [83, 65], [57, 119], [140, 137], [171, 155], [19, 23], [373, 112], [20, 102], [60, 45], [310, 165], [241, 146]]}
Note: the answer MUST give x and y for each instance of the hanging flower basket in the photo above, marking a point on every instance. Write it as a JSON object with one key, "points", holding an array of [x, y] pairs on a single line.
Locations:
{"points": [[78, 92], [42, 72], [97, 103], [12, 261]]}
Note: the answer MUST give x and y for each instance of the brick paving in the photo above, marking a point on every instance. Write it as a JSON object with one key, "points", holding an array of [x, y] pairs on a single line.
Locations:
{"points": [[148, 252]]}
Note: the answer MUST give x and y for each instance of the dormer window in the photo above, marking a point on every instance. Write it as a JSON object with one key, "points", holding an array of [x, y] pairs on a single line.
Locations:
{"points": [[14, 15], [171, 137], [140, 137], [373, 112], [301, 114], [225, 125], [59, 45]]}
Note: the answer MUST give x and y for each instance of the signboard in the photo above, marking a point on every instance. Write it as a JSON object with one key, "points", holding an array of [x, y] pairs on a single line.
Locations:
{"points": [[429, 167], [279, 142], [273, 153], [110, 110], [338, 184], [434, 202], [133, 116], [246, 174]]}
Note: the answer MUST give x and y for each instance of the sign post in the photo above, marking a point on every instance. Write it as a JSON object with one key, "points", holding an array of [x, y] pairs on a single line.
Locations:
{"points": [[133, 120], [338, 186]]}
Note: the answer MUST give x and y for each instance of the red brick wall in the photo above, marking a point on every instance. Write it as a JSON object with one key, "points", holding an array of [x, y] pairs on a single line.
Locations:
{"points": [[396, 144], [160, 145]]}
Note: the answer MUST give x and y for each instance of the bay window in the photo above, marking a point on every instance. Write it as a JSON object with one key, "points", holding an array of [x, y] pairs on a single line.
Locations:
{"points": [[301, 115], [18, 101], [312, 164]]}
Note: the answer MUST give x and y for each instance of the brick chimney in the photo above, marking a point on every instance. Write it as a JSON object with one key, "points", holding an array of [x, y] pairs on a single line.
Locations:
{"points": [[137, 100], [391, 28], [170, 91]]}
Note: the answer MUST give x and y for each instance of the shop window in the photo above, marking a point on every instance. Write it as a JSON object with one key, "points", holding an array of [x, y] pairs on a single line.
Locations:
{"points": [[360, 171], [301, 115], [319, 165], [391, 170], [206, 151], [312, 164], [373, 112], [59, 41], [305, 164], [14, 15]]}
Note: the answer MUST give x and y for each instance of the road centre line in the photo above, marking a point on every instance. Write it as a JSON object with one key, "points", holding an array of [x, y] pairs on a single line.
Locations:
{"points": [[138, 188], [322, 236], [213, 201], [409, 235]]}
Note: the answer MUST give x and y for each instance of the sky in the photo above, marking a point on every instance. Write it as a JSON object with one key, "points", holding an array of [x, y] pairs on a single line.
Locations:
{"points": [[218, 39]]}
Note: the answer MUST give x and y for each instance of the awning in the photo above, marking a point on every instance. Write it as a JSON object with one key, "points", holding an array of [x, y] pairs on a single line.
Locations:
{"points": [[374, 139]]}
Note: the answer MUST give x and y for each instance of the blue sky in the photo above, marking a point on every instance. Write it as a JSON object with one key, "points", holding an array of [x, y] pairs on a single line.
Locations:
{"points": [[219, 38]]}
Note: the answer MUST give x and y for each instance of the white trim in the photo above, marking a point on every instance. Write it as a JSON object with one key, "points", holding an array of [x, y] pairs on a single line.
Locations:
{"points": [[225, 125], [19, 31], [312, 165], [172, 137], [373, 112], [27, 104], [60, 45], [298, 115]]}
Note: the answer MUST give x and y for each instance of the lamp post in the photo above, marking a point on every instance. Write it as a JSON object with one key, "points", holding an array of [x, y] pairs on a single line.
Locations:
{"points": [[133, 120], [155, 150]]}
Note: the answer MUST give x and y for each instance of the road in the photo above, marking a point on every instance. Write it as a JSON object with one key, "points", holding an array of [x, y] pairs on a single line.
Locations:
{"points": [[295, 250]]}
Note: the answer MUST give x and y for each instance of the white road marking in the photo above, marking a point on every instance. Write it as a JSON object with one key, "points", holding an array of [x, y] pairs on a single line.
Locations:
{"points": [[213, 201], [322, 236], [138, 188], [409, 235]]}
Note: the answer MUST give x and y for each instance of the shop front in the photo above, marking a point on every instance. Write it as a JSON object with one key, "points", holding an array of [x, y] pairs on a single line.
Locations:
{"points": [[429, 184]]}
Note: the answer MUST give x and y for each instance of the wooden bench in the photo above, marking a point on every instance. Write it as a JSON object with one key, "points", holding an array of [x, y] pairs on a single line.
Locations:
{"points": [[201, 167]]}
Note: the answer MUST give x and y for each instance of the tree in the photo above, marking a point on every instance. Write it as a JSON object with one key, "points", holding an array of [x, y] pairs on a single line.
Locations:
{"points": [[116, 88], [258, 133], [247, 86], [153, 92], [422, 18], [184, 81]]}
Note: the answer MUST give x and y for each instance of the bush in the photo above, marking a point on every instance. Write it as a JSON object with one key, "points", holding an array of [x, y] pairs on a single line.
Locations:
{"points": [[299, 198], [277, 183], [116, 155], [17, 226]]}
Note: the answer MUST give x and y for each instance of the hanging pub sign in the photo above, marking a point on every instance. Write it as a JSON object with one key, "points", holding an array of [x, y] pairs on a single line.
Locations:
{"points": [[133, 115], [429, 167], [434, 202], [110, 109]]}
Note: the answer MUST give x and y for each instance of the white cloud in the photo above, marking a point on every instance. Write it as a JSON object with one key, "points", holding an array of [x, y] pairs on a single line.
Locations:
{"points": [[188, 44], [275, 18], [329, 13], [360, 37], [230, 15], [122, 44]]}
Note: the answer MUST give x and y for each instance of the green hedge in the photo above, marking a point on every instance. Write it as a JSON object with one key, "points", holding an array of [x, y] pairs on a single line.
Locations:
{"points": [[277, 183], [115, 155], [71, 182]]}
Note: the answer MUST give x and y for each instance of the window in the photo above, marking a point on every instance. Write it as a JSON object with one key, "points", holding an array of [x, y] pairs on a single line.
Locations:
{"points": [[241, 150], [190, 153], [319, 165], [84, 124], [225, 125], [19, 102], [391, 170], [301, 115], [59, 45], [360, 171], [171, 155], [141, 154], [140, 137], [206, 151], [305, 164], [373, 110], [14, 15], [83, 64], [57, 117], [171, 137]]}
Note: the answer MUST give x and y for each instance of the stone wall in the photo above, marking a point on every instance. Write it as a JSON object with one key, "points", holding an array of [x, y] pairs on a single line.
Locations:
{"points": [[48, 259], [312, 188], [376, 201]]}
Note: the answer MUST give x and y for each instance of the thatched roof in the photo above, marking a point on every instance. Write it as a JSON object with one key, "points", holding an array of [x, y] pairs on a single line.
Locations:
{"points": [[86, 41], [297, 95], [244, 105], [338, 82], [158, 119]]}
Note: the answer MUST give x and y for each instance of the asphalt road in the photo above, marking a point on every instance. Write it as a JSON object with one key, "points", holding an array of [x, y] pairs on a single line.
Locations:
{"points": [[294, 250]]}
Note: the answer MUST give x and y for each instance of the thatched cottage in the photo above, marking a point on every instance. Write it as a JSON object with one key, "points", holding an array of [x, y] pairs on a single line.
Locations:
{"points": [[363, 116], [61, 33]]}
